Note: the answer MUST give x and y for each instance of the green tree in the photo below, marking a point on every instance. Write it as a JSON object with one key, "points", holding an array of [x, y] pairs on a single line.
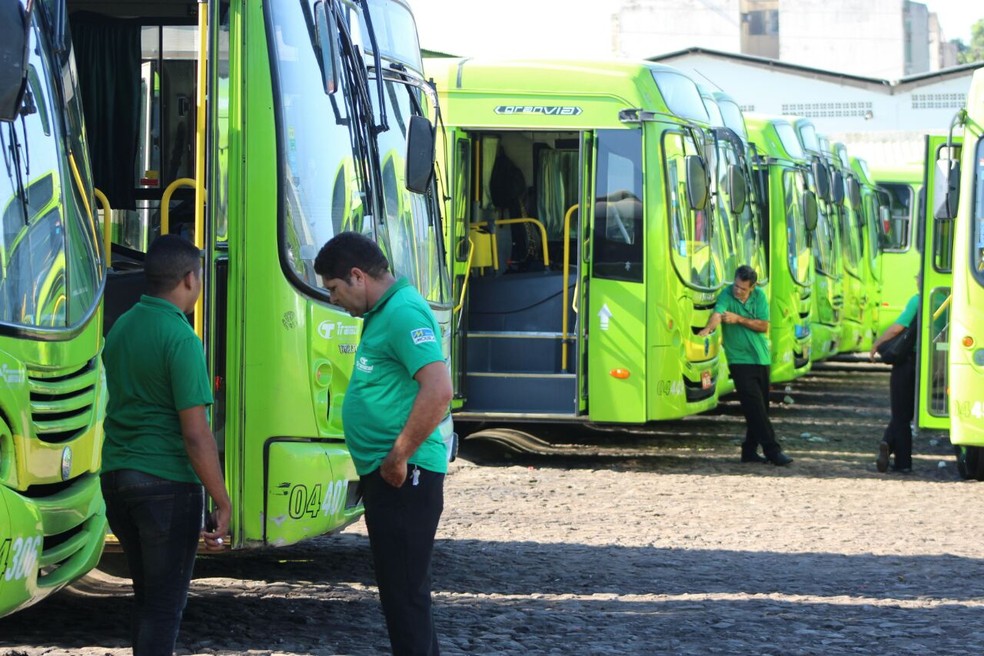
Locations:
{"points": [[968, 54]]}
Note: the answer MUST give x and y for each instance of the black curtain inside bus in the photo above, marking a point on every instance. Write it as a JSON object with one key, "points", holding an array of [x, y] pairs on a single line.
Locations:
{"points": [[107, 55]]}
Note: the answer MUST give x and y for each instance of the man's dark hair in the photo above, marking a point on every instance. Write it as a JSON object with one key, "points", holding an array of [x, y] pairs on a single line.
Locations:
{"points": [[347, 250], [169, 259], [746, 273]]}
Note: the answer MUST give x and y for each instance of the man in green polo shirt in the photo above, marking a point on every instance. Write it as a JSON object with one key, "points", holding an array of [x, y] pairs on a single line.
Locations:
{"points": [[744, 312], [398, 395], [159, 449]]}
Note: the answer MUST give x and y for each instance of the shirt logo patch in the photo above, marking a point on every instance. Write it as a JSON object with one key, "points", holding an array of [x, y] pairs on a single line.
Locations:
{"points": [[422, 335], [363, 364]]}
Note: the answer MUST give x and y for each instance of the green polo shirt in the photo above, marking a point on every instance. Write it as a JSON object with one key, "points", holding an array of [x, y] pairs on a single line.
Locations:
{"points": [[399, 336], [155, 367], [743, 345], [909, 313]]}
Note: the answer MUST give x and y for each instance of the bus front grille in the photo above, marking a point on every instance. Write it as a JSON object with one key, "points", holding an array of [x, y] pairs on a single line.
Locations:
{"points": [[62, 401]]}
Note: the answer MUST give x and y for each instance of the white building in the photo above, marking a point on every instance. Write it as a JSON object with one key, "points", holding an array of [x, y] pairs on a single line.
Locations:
{"points": [[835, 102], [884, 39]]}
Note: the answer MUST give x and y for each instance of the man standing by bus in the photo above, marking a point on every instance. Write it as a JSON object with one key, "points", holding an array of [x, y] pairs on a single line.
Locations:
{"points": [[159, 448], [398, 395], [744, 311]]}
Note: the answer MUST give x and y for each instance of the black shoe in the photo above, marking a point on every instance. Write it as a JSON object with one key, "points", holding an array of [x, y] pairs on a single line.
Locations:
{"points": [[753, 457], [882, 462], [780, 459], [901, 470]]}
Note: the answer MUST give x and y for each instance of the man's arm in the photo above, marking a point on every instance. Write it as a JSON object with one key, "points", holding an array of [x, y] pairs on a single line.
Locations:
{"points": [[712, 323], [889, 333], [204, 456], [758, 325], [429, 408]]}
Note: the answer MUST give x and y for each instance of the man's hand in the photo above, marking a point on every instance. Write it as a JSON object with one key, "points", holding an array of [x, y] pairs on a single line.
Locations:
{"points": [[730, 317], [393, 470], [217, 528]]}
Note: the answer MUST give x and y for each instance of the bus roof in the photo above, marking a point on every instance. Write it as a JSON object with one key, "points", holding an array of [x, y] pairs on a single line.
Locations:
{"points": [[553, 93], [775, 136]]}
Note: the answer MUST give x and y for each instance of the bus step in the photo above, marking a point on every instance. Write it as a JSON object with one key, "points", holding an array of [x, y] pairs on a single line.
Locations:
{"points": [[527, 393], [511, 352]]}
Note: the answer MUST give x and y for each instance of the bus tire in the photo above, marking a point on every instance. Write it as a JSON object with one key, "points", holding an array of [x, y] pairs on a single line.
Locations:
{"points": [[970, 462]]}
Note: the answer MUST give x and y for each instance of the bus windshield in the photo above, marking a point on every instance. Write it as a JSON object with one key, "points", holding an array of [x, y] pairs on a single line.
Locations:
{"points": [[319, 174], [747, 242], [850, 238], [697, 247], [50, 267], [825, 243], [797, 245]]}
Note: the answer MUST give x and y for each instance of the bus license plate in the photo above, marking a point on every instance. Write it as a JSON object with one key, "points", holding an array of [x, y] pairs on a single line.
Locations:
{"points": [[705, 379]]}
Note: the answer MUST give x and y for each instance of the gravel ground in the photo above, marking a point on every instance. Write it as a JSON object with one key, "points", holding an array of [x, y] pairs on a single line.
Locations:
{"points": [[616, 543]]}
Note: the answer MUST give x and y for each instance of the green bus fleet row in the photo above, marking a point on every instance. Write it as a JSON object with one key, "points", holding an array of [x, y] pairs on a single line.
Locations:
{"points": [[584, 218]]}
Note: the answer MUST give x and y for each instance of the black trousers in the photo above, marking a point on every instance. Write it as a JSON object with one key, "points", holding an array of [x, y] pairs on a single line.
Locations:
{"points": [[402, 523], [902, 393], [752, 387]]}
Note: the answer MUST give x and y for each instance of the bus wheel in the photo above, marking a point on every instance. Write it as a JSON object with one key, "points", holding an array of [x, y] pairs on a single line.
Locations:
{"points": [[970, 462]]}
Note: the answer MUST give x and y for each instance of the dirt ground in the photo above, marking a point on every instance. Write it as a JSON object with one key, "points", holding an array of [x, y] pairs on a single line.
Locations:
{"points": [[619, 543]]}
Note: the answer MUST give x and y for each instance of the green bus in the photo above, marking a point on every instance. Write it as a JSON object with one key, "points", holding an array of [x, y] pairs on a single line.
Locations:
{"points": [[958, 210], [289, 123], [856, 330], [585, 255], [790, 208], [52, 400], [828, 294], [903, 183], [874, 211], [740, 218]]}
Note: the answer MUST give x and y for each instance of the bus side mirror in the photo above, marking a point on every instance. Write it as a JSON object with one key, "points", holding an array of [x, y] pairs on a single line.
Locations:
{"points": [[737, 189], [821, 177], [854, 192], [810, 211], [946, 189], [420, 155], [328, 41], [837, 188], [14, 30], [696, 183]]}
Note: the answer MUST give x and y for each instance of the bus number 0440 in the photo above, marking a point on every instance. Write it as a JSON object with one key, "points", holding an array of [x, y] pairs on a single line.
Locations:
{"points": [[304, 502]]}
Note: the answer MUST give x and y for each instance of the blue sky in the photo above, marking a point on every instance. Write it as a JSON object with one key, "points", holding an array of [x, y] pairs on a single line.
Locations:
{"points": [[564, 28]]}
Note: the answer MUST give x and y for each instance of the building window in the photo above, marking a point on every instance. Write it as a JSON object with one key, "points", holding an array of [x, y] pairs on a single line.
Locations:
{"points": [[829, 109], [939, 100], [762, 22]]}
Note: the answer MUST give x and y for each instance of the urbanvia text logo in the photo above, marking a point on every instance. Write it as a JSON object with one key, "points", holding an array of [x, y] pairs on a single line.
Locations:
{"points": [[11, 376], [546, 110]]}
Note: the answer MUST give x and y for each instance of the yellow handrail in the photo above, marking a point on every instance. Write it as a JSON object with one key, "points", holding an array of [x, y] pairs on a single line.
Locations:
{"points": [[85, 198], [464, 284], [200, 128], [944, 305], [166, 203], [543, 233], [107, 225], [566, 276]]}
